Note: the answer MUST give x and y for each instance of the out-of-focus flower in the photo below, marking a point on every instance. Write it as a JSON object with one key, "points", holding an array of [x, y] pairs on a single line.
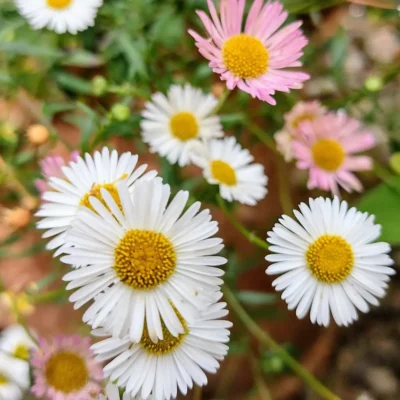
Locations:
{"points": [[65, 369], [173, 123], [17, 303], [37, 134], [14, 377], [99, 85], [147, 367], [254, 59], [326, 148], [51, 166], [382, 44], [227, 164], [16, 342], [81, 179], [16, 218], [145, 267], [302, 111], [61, 16], [7, 132], [120, 112], [328, 261]]}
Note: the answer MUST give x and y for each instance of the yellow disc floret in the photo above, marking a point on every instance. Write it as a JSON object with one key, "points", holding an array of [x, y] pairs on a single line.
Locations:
{"points": [[3, 380], [184, 126], [328, 154], [144, 259], [245, 56], [330, 259], [223, 173], [169, 342], [22, 352], [66, 372], [59, 4]]}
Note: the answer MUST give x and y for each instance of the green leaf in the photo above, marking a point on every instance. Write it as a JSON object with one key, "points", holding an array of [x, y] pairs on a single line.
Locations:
{"points": [[49, 110], [23, 157], [29, 49], [83, 58], [73, 83], [384, 203], [256, 298]]}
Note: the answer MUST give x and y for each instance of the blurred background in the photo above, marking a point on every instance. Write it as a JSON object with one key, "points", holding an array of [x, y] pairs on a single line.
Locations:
{"points": [[76, 86]]}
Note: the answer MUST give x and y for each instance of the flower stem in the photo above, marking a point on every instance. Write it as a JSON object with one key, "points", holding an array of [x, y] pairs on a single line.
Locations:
{"points": [[221, 101], [197, 393], [251, 237], [261, 386], [264, 338]]}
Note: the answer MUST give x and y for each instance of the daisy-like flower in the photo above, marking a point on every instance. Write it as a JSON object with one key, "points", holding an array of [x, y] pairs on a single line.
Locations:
{"points": [[302, 111], [254, 57], [81, 179], [112, 393], [61, 16], [227, 164], [51, 167], [14, 377], [16, 342], [326, 148], [173, 123], [142, 259], [328, 261], [65, 369], [171, 364]]}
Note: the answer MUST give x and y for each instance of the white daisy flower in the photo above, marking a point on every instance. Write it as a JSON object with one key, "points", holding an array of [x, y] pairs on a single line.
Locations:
{"points": [[227, 164], [83, 178], [112, 393], [141, 259], [173, 123], [60, 16], [171, 364], [328, 261], [14, 377], [16, 342]]}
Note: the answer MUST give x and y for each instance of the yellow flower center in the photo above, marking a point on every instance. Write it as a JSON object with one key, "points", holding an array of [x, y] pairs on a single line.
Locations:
{"points": [[22, 352], [59, 4], [169, 342], [223, 172], [302, 118], [184, 126], [245, 56], [3, 380], [330, 259], [66, 372], [144, 259], [328, 154], [95, 192]]}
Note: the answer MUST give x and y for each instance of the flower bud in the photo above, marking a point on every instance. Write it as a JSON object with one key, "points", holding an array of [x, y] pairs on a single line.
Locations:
{"points": [[37, 134]]}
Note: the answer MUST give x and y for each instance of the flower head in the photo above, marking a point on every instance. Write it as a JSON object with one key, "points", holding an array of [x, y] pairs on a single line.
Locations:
{"points": [[326, 148], [37, 134], [65, 369], [328, 261], [16, 342], [51, 166], [301, 112], [171, 364], [253, 58], [227, 164], [140, 260], [80, 180], [61, 16], [14, 377], [173, 123]]}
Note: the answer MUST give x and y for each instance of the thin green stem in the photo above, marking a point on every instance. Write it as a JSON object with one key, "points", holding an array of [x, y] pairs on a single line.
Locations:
{"points": [[197, 393], [221, 100], [260, 134], [284, 188], [259, 379], [251, 237], [385, 175], [265, 339]]}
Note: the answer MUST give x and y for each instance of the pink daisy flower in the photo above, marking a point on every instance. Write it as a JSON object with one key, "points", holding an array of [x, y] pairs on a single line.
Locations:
{"points": [[254, 58], [65, 369], [302, 111], [326, 147], [51, 167]]}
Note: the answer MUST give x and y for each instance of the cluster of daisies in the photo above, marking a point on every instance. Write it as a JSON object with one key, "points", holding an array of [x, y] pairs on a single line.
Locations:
{"points": [[326, 143]]}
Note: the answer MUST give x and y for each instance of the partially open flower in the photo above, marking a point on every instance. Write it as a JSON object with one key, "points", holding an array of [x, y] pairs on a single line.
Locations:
{"points": [[37, 134]]}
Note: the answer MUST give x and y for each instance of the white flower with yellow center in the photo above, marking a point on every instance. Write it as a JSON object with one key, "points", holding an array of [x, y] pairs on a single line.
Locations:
{"points": [[171, 364], [173, 123], [227, 164], [60, 16], [140, 258], [83, 178], [16, 342], [14, 377], [328, 261]]}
